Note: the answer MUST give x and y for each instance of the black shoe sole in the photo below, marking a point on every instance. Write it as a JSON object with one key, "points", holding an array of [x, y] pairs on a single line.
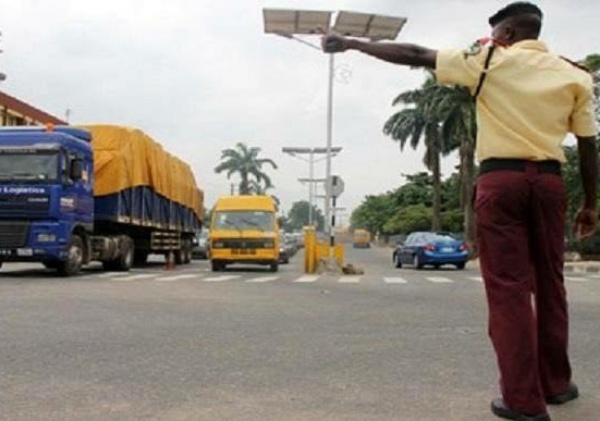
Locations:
{"points": [[572, 393]]}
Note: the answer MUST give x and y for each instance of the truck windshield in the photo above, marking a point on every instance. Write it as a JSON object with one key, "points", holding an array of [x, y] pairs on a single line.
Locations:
{"points": [[28, 167], [244, 220]]}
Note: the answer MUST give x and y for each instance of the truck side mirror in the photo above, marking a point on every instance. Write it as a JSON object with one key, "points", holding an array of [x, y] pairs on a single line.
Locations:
{"points": [[76, 172]]}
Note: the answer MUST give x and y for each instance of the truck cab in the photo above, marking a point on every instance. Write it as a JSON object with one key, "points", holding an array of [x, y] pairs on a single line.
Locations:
{"points": [[46, 195], [361, 238]]}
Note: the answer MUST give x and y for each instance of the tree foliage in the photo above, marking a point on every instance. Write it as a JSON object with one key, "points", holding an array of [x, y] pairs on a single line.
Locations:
{"points": [[298, 216], [244, 162]]}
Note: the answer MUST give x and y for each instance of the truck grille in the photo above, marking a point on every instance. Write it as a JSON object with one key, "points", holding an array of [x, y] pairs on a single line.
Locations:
{"points": [[13, 234], [12, 203]]}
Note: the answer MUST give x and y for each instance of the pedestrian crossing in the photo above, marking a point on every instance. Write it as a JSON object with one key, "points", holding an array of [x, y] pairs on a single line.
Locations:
{"points": [[295, 278]]}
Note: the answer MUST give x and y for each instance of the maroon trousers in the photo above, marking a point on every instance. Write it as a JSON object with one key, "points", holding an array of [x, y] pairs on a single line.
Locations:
{"points": [[520, 236]]}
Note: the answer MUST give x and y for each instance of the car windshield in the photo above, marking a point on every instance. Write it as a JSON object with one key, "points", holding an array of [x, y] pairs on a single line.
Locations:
{"points": [[28, 167], [244, 220]]}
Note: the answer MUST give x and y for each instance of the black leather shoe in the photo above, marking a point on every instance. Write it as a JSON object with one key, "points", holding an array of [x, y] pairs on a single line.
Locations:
{"points": [[500, 409], [571, 393]]}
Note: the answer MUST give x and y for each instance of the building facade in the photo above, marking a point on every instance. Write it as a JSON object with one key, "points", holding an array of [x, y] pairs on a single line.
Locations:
{"points": [[14, 112]]}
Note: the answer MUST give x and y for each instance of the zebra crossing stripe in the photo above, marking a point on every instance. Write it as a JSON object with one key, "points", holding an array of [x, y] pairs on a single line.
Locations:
{"points": [[262, 279], [106, 275], [177, 277], [395, 280], [132, 277], [221, 278], [349, 280], [476, 278], [306, 279], [575, 279], [439, 280]]}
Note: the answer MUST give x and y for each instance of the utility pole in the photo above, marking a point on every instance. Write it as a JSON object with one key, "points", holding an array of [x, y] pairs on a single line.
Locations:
{"points": [[292, 23], [311, 180]]}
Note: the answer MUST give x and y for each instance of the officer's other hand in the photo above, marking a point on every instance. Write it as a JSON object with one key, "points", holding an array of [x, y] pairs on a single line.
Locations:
{"points": [[585, 223], [332, 43]]}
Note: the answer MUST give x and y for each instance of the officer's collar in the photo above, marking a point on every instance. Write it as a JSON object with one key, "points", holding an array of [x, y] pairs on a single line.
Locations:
{"points": [[530, 44]]}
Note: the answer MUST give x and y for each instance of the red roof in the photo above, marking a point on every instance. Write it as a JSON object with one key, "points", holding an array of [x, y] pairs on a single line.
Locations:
{"points": [[27, 110]]}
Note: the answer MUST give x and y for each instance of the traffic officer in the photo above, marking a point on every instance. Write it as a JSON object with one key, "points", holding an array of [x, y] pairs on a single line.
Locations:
{"points": [[528, 99]]}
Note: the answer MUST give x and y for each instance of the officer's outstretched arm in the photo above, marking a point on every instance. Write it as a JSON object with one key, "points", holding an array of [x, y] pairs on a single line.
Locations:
{"points": [[397, 53]]}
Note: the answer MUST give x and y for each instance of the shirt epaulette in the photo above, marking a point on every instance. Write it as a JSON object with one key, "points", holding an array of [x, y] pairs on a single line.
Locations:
{"points": [[575, 64]]}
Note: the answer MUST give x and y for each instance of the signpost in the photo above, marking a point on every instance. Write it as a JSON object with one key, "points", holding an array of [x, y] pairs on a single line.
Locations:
{"points": [[334, 188]]}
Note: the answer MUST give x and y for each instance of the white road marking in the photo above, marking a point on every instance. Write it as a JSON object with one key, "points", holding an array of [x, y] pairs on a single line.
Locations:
{"points": [[476, 278], [349, 280], [132, 277], [177, 277], [439, 280], [575, 279], [395, 280], [262, 279], [221, 278], [107, 274], [306, 279]]}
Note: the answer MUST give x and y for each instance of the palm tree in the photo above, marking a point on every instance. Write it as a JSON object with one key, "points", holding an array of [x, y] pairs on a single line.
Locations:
{"points": [[244, 161], [422, 121], [257, 188], [456, 109]]}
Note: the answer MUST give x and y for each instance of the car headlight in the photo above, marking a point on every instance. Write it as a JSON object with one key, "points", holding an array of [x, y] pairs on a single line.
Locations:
{"points": [[45, 237]]}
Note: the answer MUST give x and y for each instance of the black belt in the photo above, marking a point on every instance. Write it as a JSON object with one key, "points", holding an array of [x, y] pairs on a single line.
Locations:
{"points": [[497, 164]]}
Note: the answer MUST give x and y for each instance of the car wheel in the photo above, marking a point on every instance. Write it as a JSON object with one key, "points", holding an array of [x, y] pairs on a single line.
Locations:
{"points": [[417, 262], [461, 265], [397, 261]]}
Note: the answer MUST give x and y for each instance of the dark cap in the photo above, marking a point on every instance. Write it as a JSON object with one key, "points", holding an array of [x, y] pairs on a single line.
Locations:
{"points": [[515, 9]]}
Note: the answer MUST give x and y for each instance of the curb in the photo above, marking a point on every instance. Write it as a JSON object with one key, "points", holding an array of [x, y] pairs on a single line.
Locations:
{"points": [[570, 267], [583, 268]]}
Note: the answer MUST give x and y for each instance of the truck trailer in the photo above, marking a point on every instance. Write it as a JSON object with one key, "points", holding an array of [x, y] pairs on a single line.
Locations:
{"points": [[73, 195]]}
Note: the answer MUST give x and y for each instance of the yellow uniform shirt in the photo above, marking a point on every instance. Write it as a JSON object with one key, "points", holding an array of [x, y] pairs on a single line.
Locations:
{"points": [[529, 101]]}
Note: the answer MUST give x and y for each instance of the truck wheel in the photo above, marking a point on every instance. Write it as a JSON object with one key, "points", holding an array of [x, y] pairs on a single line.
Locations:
{"points": [[274, 267], [125, 260], [216, 266], [72, 266]]}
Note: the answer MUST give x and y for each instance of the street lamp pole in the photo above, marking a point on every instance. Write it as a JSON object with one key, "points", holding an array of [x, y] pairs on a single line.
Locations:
{"points": [[288, 23], [328, 215], [311, 174], [329, 152]]}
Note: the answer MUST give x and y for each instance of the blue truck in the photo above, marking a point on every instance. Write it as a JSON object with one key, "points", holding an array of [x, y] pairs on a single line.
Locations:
{"points": [[55, 207]]}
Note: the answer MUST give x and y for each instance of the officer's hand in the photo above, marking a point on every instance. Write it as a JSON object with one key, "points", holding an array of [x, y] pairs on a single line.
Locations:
{"points": [[585, 223], [332, 43]]}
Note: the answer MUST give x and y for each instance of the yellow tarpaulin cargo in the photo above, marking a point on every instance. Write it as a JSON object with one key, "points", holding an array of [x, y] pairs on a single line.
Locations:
{"points": [[126, 157]]}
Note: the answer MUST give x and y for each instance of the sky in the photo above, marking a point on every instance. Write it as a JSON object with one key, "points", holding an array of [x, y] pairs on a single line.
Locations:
{"points": [[200, 76]]}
